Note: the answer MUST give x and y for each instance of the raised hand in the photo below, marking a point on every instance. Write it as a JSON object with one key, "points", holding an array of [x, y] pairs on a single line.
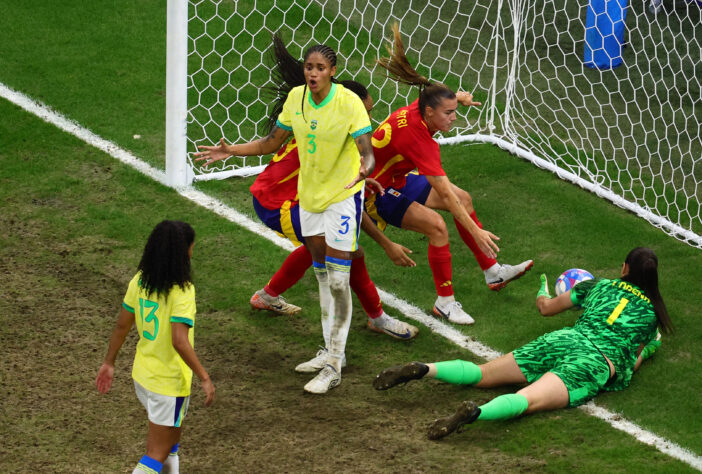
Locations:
{"points": [[213, 153]]}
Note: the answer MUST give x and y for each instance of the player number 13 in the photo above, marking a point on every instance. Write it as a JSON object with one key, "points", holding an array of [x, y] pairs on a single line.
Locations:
{"points": [[152, 306]]}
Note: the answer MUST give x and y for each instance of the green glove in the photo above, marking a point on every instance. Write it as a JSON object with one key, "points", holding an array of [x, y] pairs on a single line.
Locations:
{"points": [[651, 347], [543, 291]]}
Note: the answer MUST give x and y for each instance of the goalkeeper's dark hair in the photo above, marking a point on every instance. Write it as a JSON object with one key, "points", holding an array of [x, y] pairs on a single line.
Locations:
{"points": [[165, 261], [430, 93], [643, 272]]}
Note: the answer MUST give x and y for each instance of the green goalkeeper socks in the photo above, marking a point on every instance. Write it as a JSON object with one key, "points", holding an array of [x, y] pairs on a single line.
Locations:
{"points": [[650, 348], [458, 372], [504, 407]]}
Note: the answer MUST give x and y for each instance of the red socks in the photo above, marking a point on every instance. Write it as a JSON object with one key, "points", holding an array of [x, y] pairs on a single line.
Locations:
{"points": [[484, 261], [440, 263], [293, 268], [364, 288]]}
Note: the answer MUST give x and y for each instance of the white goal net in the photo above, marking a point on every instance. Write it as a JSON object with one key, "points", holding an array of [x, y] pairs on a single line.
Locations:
{"points": [[631, 133]]}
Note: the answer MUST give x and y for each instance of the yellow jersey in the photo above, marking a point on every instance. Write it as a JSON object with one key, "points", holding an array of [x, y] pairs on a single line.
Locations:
{"points": [[157, 365], [325, 134]]}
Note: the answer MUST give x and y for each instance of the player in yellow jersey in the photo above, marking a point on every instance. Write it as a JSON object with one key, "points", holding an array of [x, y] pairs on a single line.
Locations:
{"points": [[333, 133], [161, 301]]}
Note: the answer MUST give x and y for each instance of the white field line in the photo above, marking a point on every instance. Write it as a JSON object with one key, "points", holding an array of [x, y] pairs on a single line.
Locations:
{"points": [[452, 334]]}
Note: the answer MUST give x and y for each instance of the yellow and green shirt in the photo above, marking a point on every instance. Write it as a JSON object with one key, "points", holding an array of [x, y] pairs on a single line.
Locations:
{"points": [[325, 134], [157, 365]]}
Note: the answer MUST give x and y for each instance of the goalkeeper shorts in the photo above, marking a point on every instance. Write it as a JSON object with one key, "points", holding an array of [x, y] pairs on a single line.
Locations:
{"points": [[572, 357]]}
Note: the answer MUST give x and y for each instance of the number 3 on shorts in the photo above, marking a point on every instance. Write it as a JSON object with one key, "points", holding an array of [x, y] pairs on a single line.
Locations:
{"points": [[344, 225]]}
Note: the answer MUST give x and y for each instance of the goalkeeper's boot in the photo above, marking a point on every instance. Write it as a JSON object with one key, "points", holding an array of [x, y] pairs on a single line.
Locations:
{"points": [[263, 301], [467, 413], [324, 381], [392, 327], [317, 362], [453, 311], [392, 376], [497, 278]]}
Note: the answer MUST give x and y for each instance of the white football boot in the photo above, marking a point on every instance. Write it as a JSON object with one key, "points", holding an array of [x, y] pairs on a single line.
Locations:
{"points": [[392, 327], [325, 380], [497, 278], [453, 311], [317, 362]]}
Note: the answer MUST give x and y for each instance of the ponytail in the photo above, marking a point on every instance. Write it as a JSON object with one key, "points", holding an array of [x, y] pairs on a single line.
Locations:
{"points": [[430, 94], [643, 272], [288, 73]]}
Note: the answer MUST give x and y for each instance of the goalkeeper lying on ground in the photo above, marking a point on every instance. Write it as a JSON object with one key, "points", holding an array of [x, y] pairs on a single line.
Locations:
{"points": [[567, 367]]}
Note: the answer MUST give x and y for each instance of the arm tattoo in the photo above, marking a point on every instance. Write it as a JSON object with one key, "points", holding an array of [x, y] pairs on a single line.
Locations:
{"points": [[365, 147], [271, 137]]}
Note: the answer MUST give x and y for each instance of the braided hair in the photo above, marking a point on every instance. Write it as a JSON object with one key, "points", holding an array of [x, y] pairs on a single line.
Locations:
{"points": [[643, 272], [165, 261], [287, 73], [328, 54], [290, 72], [430, 93]]}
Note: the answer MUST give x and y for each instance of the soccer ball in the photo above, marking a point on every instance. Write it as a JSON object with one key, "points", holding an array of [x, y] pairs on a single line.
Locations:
{"points": [[570, 278]]}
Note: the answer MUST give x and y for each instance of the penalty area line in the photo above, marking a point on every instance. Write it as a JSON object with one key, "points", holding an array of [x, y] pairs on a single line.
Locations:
{"points": [[407, 309]]}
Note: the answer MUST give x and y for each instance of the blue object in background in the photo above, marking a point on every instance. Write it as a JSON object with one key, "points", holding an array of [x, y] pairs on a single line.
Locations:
{"points": [[604, 33]]}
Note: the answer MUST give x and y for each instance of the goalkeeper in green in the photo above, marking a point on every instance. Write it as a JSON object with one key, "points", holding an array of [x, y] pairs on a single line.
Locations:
{"points": [[567, 367]]}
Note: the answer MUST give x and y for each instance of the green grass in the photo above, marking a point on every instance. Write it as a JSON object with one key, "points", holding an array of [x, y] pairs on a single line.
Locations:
{"points": [[74, 223], [76, 246]]}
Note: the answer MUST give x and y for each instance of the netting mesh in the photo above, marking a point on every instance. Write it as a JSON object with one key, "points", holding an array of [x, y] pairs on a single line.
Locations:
{"points": [[633, 130]]}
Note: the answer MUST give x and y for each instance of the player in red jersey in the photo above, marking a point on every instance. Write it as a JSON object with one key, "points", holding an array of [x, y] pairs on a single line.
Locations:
{"points": [[403, 143]]}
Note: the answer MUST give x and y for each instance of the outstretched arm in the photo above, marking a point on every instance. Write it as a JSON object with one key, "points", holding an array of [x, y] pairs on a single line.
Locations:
{"points": [[549, 306], [262, 146], [365, 148], [399, 254], [106, 374], [485, 239]]}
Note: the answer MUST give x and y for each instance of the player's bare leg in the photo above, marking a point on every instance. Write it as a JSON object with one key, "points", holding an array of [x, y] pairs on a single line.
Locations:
{"points": [[497, 276], [420, 218]]}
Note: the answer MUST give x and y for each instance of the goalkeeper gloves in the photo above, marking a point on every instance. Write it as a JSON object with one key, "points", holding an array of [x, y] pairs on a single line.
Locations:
{"points": [[651, 347], [543, 291]]}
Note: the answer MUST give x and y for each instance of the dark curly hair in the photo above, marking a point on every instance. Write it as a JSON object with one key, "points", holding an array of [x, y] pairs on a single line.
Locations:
{"points": [[165, 261]]}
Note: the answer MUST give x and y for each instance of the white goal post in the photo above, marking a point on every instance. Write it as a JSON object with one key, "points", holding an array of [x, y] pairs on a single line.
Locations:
{"points": [[630, 133]]}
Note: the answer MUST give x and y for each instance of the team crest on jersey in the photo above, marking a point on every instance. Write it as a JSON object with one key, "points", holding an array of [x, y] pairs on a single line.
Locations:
{"points": [[313, 124]]}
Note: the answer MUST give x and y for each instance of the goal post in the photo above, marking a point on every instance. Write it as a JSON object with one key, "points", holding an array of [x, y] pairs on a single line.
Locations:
{"points": [[631, 134]]}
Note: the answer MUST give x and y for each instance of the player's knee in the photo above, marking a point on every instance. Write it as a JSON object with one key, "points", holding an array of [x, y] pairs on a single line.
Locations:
{"points": [[466, 199], [436, 226], [338, 283]]}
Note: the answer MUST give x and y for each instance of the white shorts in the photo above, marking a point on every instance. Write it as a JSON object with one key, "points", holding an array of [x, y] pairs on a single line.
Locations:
{"points": [[340, 223], [162, 409]]}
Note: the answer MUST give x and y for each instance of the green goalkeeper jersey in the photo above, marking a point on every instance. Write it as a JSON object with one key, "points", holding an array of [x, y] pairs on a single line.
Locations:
{"points": [[617, 318]]}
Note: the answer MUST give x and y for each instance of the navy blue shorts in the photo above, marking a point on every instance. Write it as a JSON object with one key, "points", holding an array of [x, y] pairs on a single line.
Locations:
{"points": [[285, 221], [392, 206]]}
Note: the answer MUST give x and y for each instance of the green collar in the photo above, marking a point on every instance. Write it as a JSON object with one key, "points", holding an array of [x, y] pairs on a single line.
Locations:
{"points": [[326, 100]]}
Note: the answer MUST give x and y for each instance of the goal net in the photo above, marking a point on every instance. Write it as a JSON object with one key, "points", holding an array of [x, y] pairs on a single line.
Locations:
{"points": [[631, 133]]}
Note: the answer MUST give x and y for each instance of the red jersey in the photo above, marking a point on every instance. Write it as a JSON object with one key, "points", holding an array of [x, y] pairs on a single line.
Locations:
{"points": [[403, 143], [278, 182]]}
